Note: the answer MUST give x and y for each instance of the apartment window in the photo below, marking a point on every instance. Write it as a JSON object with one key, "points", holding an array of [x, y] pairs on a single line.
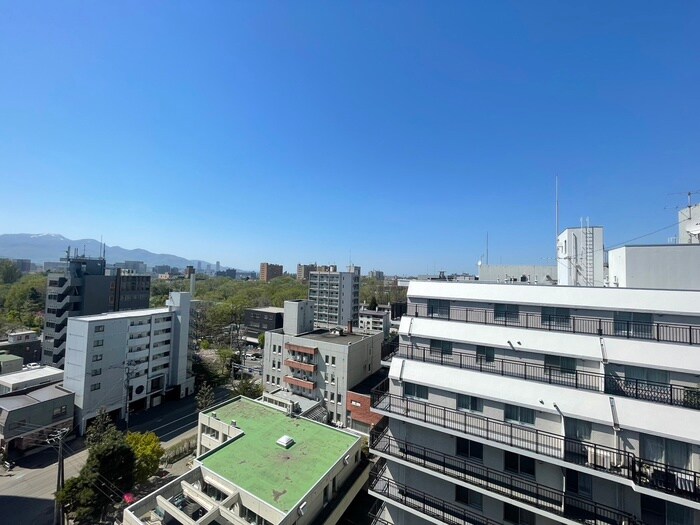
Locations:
{"points": [[577, 429], [325, 377], [647, 374], [99, 328], [470, 403], [468, 497], [506, 312], [96, 372], [439, 347], [98, 342], [97, 357], [518, 464], [557, 318], [485, 354], [470, 449], [513, 514], [267, 378], [657, 511], [415, 391], [95, 386], [439, 308], [565, 365], [327, 358], [60, 411], [333, 361], [520, 414], [332, 379], [340, 398], [579, 483], [332, 396], [635, 323], [662, 450]]}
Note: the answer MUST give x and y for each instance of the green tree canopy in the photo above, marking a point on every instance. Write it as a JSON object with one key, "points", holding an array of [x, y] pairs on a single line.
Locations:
{"points": [[102, 429], [9, 273], [248, 388], [205, 396], [147, 451]]}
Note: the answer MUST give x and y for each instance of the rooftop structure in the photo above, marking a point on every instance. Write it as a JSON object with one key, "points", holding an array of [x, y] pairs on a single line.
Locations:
{"points": [[29, 378], [658, 266]]}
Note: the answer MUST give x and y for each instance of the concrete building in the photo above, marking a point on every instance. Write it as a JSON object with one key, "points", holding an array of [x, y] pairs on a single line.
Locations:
{"points": [[10, 363], [541, 405], [259, 320], [661, 266], [374, 321], [27, 378], [359, 415], [304, 270], [336, 295], [580, 257], [297, 472], [520, 273], [376, 274], [26, 420], [318, 364], [22, 343], [269, 271], [142, 352], [84, 289]]}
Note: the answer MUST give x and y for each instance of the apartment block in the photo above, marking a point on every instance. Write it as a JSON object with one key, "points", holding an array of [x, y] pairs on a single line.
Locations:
{"points": [[373, 321], [304, 271], [269, 271], [139, 355], [540, 405], [336, 296], [83, 288]]}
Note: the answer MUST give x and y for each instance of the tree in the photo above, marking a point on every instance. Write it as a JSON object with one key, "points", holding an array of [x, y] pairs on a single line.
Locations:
{"points": [[261, 340], [225, 355], [248, 388], [102, 429], [148, 451], [373, 303], [205, 396], [9, 273]]}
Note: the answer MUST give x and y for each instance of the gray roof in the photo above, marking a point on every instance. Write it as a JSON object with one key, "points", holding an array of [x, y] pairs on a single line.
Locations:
{"points": [[46, 393]]}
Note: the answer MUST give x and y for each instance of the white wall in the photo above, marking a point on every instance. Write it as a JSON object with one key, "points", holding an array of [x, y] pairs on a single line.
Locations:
{"points": [[670, 266]]}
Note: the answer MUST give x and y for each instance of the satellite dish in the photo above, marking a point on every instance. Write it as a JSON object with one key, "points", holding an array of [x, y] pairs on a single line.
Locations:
{"points": [[693, 229], [478, 262]]}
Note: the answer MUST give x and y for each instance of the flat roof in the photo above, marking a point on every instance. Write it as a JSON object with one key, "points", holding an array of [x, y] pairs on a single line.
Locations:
{"points": [[46, 393], [45, 372], [122, 315], [327, 337], [270, 309], [257, 464], [374, 313], [9, 357]]}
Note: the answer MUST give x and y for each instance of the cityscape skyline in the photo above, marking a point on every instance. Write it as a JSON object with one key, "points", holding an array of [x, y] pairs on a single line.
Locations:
{"points": [[245, 133]]}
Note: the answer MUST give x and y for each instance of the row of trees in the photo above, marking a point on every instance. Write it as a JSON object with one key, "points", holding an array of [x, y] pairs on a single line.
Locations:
{"points": [[22, 301], [116, 463]]}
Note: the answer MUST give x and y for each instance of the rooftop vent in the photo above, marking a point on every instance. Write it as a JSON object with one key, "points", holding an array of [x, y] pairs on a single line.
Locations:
{"points": [[285, 441]]}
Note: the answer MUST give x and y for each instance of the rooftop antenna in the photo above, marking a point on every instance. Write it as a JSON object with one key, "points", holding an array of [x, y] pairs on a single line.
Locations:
{"points": [[556, 214], [487, 247]]}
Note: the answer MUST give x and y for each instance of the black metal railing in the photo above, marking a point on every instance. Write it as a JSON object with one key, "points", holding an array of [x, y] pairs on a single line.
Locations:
{"points": [[666, 332], [375, 513], [424, 503], [659, 476], [610, 384], [514, 487]]}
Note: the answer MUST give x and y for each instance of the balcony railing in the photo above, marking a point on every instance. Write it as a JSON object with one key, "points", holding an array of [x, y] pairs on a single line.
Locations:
{"points": [[658, 476], [301, 383], [619, 386], [301, 349], [375, 513], [514, 487], [666, 332], [300, 365]]}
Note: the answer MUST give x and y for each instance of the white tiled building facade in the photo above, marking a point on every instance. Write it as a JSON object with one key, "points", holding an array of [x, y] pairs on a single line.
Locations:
{"points": [[541, 405]]}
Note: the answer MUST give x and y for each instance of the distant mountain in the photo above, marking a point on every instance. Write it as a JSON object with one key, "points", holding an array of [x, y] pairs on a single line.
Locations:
{"points": [[52, 246]]}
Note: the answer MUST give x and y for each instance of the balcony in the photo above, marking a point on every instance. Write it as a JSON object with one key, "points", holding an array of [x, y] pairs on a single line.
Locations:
{"points": [[662, 477], [376, 512], [301, 383], [605, 383], [513, 487], [664, 332], [298, 365], [301, 349], [421, 502]]}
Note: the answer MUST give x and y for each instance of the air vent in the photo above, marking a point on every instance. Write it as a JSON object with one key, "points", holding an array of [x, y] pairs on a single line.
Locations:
{"points": [[285, 441]]}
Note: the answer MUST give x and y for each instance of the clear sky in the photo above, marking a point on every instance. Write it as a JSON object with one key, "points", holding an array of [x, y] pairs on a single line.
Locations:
{"points": [[394, 133]]}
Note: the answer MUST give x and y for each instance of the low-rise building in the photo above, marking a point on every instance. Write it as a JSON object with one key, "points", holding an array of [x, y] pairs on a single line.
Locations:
{"points": [[260, 466], [259, 320], [9, 363], [374, 321], [22, 343], [359, 416], [28, 378]]}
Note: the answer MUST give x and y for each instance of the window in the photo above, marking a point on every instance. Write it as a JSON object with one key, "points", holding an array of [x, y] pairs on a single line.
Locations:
{"points": [[579, 483], [327, 359], [520, 414], [267, 378], [98, 342], [340, 398], [332, 379], [506, 312], [470, 449], [99, 328], [415, 391], [438, 308], [577, 429], [468, 497], [97, 372], [636, 324], [97, 357], [565, 365], [513, 462], [662, 450], [513, 514], [438, 347], [60, 411], [95, 386], [484, 354], [557, 318], [333, 361], [646, 375], [470, 403], [332, 396]]}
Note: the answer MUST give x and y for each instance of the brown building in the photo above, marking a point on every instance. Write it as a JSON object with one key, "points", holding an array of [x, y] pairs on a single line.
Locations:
{"points": [[358, 403], [269, 271]]}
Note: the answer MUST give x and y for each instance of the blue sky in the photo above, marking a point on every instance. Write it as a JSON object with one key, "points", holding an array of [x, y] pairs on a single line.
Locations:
{"points": [[393, 133]]}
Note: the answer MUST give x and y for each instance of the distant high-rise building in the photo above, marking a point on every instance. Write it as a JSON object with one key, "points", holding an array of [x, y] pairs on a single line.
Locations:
{"points": [[376, 274], [303, 271], [84, 289], [269, 271], [218, 266], [337, 296]]}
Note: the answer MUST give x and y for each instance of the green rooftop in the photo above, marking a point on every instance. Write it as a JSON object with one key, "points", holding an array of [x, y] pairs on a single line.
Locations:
{"points": [[9, 357], [257, 464]]}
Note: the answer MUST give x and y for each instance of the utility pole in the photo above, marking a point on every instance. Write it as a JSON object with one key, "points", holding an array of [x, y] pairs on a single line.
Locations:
{"points": [[57, 437]]}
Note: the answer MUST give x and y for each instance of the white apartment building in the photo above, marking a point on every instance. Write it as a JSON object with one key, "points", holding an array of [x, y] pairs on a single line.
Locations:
{"points": [[139, 353], [538, 405], [373, 321], [336, 295], [318, 364]]}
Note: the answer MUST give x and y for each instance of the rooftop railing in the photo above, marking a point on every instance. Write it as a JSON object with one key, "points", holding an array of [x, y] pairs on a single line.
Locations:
{"points": [[514, 487], [665, 332], [664, 477], [606, 383]]}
